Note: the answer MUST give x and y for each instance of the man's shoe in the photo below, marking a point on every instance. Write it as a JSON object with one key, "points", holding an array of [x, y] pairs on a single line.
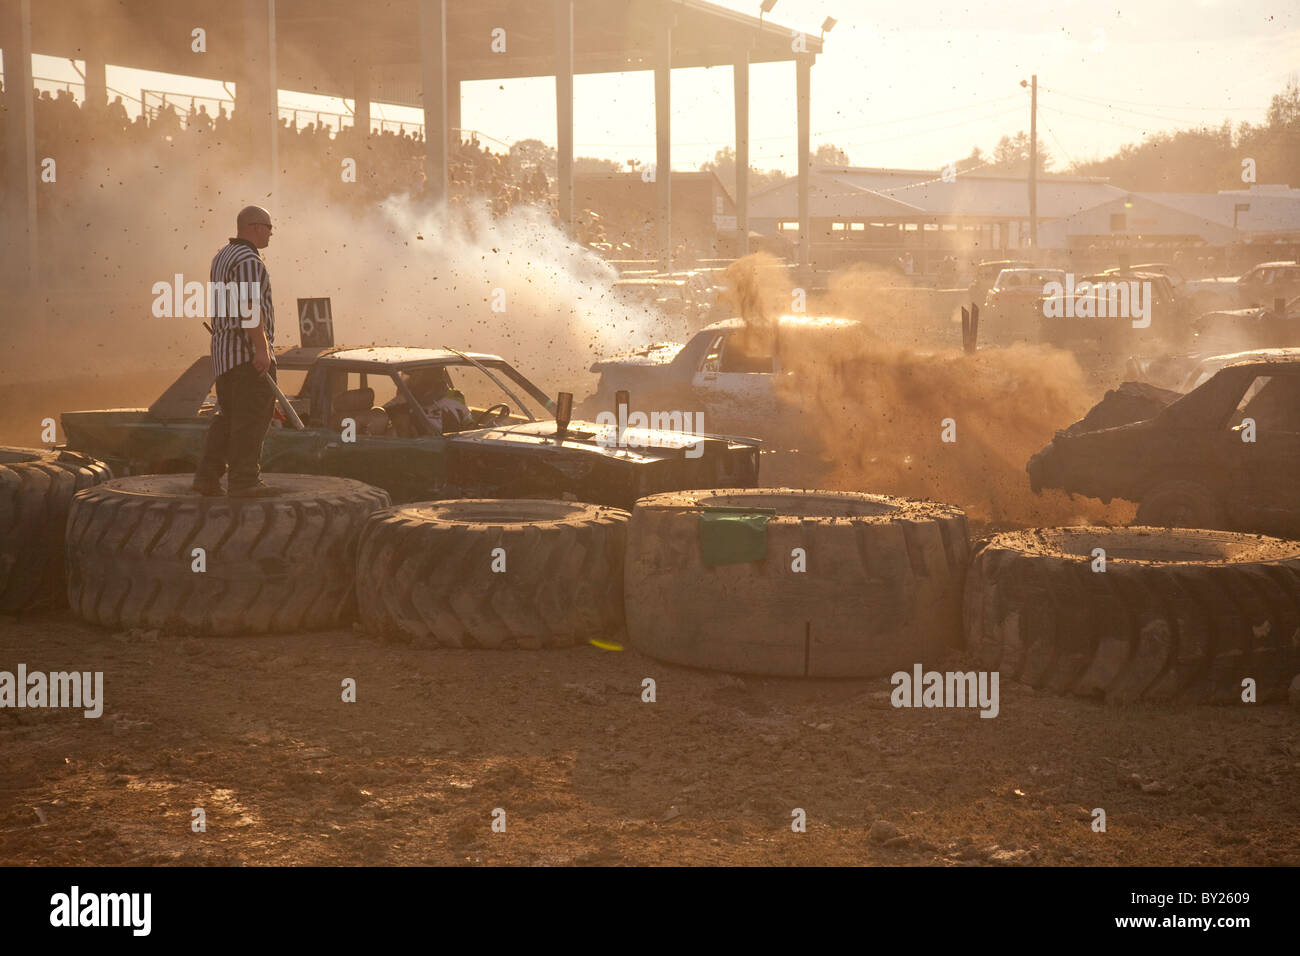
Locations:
{"points": [[209, 489], [259, 490]]}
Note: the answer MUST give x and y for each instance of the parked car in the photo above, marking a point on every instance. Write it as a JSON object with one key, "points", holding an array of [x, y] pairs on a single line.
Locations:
{"points": [[1196, 295], [1268, 281], [1103, 343], [986, 273], [1013, 309], [1258, 327]]}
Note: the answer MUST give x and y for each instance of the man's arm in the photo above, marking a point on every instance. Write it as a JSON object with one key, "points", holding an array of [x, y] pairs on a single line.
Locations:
{"points": [[251, 274]]}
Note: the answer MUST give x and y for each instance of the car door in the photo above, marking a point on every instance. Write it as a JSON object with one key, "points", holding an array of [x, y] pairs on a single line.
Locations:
{"points": [[735, 389], [409, 468], [1251, 286], [1269, 494]]}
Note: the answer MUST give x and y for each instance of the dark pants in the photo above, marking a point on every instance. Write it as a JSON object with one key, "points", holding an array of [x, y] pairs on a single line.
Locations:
{"points": [[238, 428]]}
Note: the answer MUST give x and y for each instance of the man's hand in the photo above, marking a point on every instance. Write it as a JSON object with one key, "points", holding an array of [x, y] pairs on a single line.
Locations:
{"points": [[261, 356]]}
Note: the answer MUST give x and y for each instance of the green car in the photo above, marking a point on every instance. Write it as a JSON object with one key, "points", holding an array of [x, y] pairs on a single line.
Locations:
{"points": [[364, 420]]}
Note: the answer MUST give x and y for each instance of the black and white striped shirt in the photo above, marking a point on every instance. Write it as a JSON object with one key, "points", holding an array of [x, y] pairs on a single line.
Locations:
{"points": [[238, 269]]}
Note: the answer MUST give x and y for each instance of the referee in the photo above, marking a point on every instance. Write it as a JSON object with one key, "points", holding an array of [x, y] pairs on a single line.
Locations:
{"points": [[240, 356]]}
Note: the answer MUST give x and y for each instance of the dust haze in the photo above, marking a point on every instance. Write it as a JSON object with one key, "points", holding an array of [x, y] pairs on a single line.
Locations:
{"points": [[401, 273], [873, 406]]}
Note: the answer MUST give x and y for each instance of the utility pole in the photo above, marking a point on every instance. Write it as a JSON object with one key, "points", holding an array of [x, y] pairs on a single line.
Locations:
{"points": [[1033, 163]]}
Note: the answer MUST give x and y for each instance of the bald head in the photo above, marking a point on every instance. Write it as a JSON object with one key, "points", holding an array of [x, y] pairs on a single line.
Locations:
{"points": [[254, 224]]}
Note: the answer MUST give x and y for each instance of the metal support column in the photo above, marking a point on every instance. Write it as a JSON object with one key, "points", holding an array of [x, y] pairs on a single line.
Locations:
{"points": [[361, 99], [96, 81], [803, 68], [20, 264], [740, 85], [453, 114], [258, 105], [663, 139], [433, 77], [564, 113]]}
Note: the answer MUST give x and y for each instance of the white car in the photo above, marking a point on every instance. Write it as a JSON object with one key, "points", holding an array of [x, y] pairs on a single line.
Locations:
{"points": [[726, 370]]}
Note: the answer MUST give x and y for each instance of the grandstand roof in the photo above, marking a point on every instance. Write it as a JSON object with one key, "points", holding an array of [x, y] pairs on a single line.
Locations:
{"points": [[318, 42]]}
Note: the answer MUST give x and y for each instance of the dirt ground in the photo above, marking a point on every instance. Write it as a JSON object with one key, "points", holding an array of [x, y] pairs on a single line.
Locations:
{"points": [[255, 732]]}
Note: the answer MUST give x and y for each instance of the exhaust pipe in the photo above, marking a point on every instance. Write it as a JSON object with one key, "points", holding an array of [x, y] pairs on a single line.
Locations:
{"points": [[563, 414], [621, 401]]}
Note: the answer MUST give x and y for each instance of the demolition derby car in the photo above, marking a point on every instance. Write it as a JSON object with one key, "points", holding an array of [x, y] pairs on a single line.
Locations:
{"points": [[363, 420], [1224, 455], [726, 372]]}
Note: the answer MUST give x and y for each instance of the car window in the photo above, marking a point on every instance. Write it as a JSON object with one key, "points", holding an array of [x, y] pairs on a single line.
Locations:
{"points": [[385, 387], [291, 380], [713, 357], [1273, 402], [481, 392], [740, 354]]}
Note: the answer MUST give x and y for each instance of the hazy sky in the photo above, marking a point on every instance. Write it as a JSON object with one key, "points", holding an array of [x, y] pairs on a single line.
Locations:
{"points": [[916, 86]]}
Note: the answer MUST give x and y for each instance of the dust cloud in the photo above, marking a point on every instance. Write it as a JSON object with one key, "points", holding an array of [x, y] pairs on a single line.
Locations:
{"points": [[400, 273], [876, 405]]}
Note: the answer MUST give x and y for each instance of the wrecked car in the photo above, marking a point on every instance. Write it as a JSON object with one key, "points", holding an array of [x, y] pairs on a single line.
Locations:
{"points": [[1223, 456], [986, 274], [1268, 281], [1259, 327], [363, 421], [727, 371]]}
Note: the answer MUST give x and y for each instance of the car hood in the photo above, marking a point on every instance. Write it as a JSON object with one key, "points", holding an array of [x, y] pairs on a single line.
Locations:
{"points": [[591, 438], [659, 354]]}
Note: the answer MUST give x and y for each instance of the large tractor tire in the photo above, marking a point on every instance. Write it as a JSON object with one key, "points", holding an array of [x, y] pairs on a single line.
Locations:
{"points": [[36, 489], [880, 590], [276, 564], [1176, 614], [489, 574]]}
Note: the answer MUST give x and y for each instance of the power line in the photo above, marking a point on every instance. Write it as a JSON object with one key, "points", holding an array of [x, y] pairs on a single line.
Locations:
{"points": [[937, 129], [1122, 109], [908, 119], [1159, 106], [1097, 119], [1056, 139]]}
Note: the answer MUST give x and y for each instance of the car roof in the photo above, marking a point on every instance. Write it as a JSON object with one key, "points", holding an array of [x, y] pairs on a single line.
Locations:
{"points": [[1274, 265], [1254, 355], [1111, 274], [651, 281], [389, 356], [788, 322], [1280, 360], [1148, 266]]}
